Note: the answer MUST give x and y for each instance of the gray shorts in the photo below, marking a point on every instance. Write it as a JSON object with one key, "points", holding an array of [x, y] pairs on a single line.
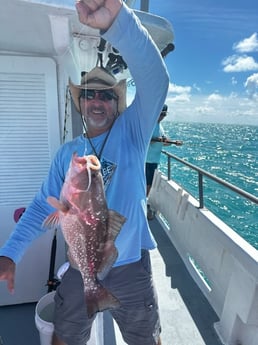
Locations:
{"points": [[137, 316]]}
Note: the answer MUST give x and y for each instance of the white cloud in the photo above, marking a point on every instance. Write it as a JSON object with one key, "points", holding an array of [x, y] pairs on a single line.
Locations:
{"points": [[214, 97], [179, 89], [204, 110], [233, 81], [178, 93], [244, 62], [189, 104], [196, 87], [237, 63], [247, 45], [251, 85], [183, 98], [233, 108]]}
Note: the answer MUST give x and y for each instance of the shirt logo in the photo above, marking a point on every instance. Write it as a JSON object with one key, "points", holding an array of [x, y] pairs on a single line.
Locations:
{"points": [[107, 170]]}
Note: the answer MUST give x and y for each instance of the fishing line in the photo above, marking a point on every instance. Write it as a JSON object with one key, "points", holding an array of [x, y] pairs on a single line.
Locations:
{"points": [[78, 62], [85, 148], [88, 167]]}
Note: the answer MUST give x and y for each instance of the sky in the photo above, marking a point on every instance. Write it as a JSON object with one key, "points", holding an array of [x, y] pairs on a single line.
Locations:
{"points": [[214, 67]]}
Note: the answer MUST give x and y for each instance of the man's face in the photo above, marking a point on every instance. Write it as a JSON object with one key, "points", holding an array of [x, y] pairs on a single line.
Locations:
{"points": [[99, 108]]}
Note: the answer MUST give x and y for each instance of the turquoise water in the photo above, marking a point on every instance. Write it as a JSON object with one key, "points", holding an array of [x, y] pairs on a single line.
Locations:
{"points": [[229, 152]]}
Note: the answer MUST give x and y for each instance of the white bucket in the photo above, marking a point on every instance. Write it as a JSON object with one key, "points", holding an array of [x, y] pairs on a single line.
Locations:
{"points": [[44, 318]]}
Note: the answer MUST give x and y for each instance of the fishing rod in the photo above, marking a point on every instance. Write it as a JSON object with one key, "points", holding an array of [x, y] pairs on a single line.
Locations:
{"points": [[52, 282], [168, 141]]}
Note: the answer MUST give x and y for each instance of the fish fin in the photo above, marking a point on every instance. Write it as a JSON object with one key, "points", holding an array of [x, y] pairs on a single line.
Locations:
{"points": [[100, 301], [109, 256], [52, 221], [115, 223], [54, 202], [109, 252]]}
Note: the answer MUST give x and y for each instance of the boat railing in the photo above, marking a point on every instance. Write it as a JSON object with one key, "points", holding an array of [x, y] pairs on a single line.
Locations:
{"points": [[222, 263], [201, 174]]}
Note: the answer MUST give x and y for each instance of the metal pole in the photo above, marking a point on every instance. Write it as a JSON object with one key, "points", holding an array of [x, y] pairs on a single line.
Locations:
{"points": [[201, 200], [145, 5], [169, 168]]}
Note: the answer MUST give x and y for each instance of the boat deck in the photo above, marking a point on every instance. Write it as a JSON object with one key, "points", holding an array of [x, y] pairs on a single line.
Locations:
{"points": [[186, 316]]}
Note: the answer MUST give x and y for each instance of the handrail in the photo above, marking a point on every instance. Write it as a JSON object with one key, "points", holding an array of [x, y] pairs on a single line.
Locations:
{"points": [[202, 173]]}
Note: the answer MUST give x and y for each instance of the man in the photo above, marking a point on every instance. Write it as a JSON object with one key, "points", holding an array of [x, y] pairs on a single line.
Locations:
{"points": [[158, 140], [119, 136]]}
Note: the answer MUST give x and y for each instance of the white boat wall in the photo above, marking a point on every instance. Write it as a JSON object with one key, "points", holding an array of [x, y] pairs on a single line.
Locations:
{"points": [[42, 44], [222, 263]]}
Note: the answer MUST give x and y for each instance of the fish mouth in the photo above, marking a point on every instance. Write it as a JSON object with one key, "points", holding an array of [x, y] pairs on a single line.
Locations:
{"points": [[89, 164], [93, 162], [90, 161]]}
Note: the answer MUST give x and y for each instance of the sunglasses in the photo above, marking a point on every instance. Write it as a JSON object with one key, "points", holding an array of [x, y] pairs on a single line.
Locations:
{"points": [[103, 95]]}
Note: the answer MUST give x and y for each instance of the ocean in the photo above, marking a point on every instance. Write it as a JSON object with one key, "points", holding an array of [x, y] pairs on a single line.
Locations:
{"points": [[228, 151]]}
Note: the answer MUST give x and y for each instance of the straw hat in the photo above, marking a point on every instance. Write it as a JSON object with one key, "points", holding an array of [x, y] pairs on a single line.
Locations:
{"points": [[99, 79]]}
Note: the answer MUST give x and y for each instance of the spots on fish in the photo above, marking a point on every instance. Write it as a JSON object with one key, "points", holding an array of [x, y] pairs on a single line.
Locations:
{"points": [[89, 229]]}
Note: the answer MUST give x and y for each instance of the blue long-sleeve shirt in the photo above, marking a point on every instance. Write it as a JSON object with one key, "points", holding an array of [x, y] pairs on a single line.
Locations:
{"points": [[123, 157], [155, 148]]}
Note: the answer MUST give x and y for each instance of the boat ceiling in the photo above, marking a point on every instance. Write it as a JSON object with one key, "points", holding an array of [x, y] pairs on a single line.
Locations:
{"points": [[46, 28], [25, 27]]}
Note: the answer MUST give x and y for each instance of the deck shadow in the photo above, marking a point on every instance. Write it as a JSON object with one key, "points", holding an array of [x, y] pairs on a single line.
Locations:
{"points": [[17, 325]]}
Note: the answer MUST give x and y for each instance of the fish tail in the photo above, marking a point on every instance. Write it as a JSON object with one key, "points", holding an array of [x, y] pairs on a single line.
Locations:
{"points": [[101, 300]]}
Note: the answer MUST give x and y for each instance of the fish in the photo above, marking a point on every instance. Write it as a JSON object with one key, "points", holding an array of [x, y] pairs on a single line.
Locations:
{"points": [[89, 228]]}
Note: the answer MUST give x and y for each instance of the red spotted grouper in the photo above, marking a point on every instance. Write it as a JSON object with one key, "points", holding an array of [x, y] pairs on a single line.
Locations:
{"points": [[89, 228]]}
